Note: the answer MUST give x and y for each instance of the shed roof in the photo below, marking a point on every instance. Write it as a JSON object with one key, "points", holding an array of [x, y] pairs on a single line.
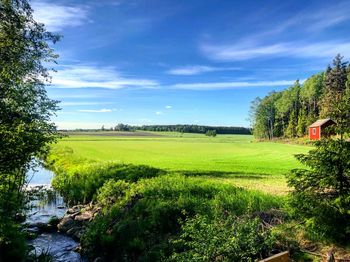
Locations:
{"points": [[321, 122]]}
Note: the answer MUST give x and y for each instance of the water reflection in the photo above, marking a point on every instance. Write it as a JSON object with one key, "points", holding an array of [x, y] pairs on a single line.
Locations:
{"points": [[44, 204]]}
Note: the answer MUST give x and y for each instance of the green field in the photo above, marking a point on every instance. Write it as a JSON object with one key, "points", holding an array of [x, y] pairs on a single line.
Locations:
{"points": [[234, 159]]}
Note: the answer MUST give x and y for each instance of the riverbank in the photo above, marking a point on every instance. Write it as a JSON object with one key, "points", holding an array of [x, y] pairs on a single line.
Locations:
{"points": [[46, 208]]}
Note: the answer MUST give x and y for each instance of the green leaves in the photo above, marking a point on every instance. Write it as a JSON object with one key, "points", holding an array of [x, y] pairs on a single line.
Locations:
{"points": [[321, 192], [222, 239], [25, 110]]}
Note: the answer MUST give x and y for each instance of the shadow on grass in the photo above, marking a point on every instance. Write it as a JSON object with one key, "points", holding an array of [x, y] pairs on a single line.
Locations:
{"points": [[224, 174]]}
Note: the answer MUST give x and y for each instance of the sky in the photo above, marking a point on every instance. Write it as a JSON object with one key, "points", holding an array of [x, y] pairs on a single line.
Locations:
{"points": [[145, 62]]}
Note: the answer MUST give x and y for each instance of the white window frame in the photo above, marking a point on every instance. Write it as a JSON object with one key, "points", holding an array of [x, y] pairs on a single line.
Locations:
{"points": [[314, 131]]}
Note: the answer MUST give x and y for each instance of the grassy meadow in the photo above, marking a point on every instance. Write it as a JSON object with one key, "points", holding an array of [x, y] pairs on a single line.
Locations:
{"points": [[234, 159], [160, 192]]}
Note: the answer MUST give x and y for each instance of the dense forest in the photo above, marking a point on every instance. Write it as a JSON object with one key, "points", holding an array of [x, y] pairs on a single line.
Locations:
{"points": [[288, 113], [197, 129], [177, 128]]}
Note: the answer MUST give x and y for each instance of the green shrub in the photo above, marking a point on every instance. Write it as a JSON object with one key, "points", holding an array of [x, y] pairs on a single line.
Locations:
{"points": [[321, 195], [222, 239], [78, 180], [12, 243], [211, 133], [111, 192], [141, 226]]}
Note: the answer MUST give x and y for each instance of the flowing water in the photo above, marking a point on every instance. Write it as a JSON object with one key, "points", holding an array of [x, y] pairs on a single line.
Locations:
{"points": [[49, 204]]}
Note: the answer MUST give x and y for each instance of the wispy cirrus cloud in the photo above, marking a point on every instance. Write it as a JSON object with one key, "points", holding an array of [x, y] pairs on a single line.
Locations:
{"points": [[56, 16], [231, 85], [197, 69], [245, 51], [158, 113], [103, 110], [71, 125], [86, 76], [168, 107], [83, 103], [308, 23], [316, 20]]}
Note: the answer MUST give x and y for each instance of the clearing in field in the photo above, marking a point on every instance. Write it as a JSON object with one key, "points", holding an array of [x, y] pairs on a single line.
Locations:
{"points": [[234, 159]]}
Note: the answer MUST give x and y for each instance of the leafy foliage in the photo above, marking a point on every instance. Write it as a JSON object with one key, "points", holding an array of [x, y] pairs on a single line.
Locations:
{"points": [[112, 192], [222, 239], [211, 133], [321, 193], [335, 101], [25, 110], [141, 225]]}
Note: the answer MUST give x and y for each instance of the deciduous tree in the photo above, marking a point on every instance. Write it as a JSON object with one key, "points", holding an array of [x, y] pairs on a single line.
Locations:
{"points": [[25, 109]]}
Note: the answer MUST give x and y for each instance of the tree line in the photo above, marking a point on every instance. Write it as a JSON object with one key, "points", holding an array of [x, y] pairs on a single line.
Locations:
{"points": [[174, 128], [196, 129], [179, 128], [288, 113]]}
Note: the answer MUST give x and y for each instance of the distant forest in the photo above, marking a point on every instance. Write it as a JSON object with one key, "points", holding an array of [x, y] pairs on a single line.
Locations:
{"points": [[178, 128], [197, 129], [289, 113]]}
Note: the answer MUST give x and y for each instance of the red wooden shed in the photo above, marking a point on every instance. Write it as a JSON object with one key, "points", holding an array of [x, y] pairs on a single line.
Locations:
{"points": [[315, 129]]}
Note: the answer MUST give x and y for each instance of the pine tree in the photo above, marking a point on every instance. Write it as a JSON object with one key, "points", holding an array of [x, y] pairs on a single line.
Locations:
{"points": [[334, 104]]}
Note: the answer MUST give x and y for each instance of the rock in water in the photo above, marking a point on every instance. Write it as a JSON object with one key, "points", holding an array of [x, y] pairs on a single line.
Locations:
{"points": [[66, 224]]}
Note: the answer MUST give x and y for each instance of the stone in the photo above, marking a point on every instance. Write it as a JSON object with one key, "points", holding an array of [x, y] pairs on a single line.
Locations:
{"points": [[71, 231], [54, 221], [74, 209], [66, 224], [78, 249], [86, 216]]}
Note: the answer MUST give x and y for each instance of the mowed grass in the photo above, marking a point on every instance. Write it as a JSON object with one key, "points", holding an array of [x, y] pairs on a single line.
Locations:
{"points": [[234, 159]]}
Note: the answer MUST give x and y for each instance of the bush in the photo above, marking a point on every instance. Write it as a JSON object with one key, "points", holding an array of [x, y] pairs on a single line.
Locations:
{"points": [[211, 133], [12, 243], [222, 239], [112, 192], [78, 180], [321, 195], [140, 226]]}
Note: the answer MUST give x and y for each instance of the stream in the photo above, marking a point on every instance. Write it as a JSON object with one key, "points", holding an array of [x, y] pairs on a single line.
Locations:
{"points": [[42, 208]]}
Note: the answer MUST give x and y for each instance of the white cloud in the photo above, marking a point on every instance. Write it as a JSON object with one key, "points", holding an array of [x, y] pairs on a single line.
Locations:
{"points": [[85, 125], [103, 110], [231, 85], [158, 113], [168, 107], [317, 20], [56, 17], [306, 23], [244, 51], [84, 76], [82, 103], [197, 69]]}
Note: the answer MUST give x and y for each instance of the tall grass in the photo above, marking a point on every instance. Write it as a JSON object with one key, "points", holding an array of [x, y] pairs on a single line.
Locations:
{"points": [[78, 179], [144, 207], [147, 215]]}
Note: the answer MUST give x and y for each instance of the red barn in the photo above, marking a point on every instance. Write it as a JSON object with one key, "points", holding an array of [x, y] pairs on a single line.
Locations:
{"points": [[315, 129]]}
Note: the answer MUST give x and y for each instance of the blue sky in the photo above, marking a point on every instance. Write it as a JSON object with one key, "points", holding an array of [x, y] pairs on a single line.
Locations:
{"points": [[180, 61]]}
